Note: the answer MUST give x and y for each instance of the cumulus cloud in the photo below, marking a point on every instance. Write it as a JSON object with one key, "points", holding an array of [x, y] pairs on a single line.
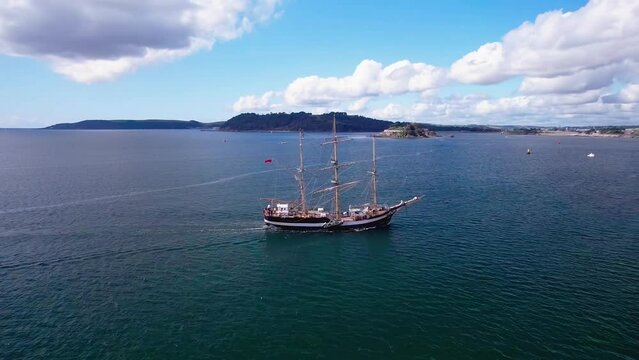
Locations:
{"points": [[370, 78], [588, 42], [580, 81], [254, 103], [359, 105], [568, 64], [97, 40], [546, 109], [533, 103], [390, 112], [482, 66]]}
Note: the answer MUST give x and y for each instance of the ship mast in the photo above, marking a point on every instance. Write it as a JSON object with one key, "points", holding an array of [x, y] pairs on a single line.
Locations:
{"points": [[300, 172], [373, 173], [335, 180]]}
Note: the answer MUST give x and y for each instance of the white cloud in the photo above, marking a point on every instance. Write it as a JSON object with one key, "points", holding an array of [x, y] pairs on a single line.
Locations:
{"points": [[559, 44], [552, 110], [368, 80], [568, 62], [580, 81], [98, 40], [390, 112], [254, 103], [483, 66], [629, 94], [533, 103], [359, 105]]}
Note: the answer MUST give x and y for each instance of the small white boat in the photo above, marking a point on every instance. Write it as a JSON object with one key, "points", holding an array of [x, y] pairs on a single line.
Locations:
{"points": [[591, 155]]}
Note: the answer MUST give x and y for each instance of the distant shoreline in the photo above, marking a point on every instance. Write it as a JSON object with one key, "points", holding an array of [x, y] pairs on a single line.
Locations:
{"points": [[293, 122], [629, 135]]}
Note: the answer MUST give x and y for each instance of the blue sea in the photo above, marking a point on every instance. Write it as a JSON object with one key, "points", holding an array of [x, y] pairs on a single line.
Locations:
{"points": [[150, 245]]}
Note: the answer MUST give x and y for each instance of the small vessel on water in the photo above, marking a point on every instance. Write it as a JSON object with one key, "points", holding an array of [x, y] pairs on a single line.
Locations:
{"points": [[295, 215], [528, 152], [591, 155]]}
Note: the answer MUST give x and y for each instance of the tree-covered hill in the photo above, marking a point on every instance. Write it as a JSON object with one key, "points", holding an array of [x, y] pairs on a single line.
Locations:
{"points": [[128, 125], [305, 121], [267, 122]]}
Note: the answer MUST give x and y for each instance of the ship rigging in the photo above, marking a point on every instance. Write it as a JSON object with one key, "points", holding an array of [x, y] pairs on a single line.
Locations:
{"points": [[290, 215]]}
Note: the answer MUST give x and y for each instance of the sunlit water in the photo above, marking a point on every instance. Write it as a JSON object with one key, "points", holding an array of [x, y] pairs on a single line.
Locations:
{"points": [[150, 244]]}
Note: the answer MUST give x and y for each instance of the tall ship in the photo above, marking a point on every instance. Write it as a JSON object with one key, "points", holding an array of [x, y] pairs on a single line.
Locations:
{"points": [[296, 215]]}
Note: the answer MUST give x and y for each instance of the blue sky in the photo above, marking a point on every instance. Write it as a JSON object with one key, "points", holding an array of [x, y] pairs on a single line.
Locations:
{"points": [[67, 63]]}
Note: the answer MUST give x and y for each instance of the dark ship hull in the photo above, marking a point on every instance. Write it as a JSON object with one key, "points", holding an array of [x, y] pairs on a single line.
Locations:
{"points": [[380, 218], [325, 223]]}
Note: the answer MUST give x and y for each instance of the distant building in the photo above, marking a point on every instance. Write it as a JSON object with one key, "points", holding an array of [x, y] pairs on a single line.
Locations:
{"points": [[393, 132]]}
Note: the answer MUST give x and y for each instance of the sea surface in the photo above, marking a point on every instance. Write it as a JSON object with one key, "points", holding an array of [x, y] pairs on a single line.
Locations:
{"points": [[150, 245]]}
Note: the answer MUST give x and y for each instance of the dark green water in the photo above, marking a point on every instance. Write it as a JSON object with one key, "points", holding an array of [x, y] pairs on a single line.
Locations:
{"points": [[149, 244]]}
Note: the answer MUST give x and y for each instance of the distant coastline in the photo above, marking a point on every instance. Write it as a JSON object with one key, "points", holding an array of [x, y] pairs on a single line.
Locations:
{"points": [[285, 122], [274, 122], [626, 133], [148, 124], [599, 131]]}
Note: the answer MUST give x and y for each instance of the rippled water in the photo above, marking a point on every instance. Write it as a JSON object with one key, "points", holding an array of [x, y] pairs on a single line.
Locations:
{"points": [[149, 244]]}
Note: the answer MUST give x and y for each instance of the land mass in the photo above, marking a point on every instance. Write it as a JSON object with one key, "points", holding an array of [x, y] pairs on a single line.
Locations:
{"points": [[586, 131], [128, 125], [305, 121], [408, 131], [345, 123], [268, 122]]}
